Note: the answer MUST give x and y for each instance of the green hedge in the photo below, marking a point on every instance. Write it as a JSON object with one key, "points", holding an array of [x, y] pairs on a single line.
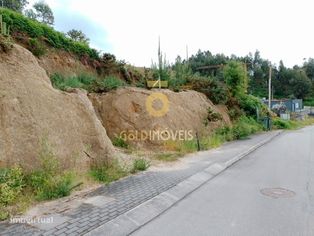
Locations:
{"points": [[21, 24]]}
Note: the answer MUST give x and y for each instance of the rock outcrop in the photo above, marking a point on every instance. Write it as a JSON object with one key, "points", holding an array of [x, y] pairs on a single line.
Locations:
{"points": [[31, 110], [133, 111]]}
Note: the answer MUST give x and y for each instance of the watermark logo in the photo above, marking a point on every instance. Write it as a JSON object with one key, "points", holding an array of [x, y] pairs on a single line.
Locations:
{"points": [[28, 220], [153, 98], [157, 135]]}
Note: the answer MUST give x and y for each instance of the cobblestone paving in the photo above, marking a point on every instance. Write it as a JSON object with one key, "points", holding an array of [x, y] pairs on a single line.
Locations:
{"points": [[125, 194]]}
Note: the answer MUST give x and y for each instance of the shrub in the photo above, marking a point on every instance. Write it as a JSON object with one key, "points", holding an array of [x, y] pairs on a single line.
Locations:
{"points": [[11, 185], [37, 47], [119, 142], [250, 105], [214, 90], [6, 43], [213, 116], [140, 165], [245, 126]]}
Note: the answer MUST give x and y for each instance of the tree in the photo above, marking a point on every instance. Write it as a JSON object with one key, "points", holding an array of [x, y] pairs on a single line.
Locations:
{"points": [[30, 13], [43, 13], [235, 78], [15, 5], [301, 84], [309, 68], [78, 36]]}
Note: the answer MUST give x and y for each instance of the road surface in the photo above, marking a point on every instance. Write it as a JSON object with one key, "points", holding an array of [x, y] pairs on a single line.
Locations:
{"points": [[269, 192]]}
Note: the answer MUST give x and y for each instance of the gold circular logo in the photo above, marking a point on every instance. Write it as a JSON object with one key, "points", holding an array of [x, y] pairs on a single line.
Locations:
{"points": [[150, 101]]}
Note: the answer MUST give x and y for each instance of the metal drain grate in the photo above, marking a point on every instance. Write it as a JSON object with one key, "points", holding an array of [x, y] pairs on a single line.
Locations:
{"points": [[278, 193]]}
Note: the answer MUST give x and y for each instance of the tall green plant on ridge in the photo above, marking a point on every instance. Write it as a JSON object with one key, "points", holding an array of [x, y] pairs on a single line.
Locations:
{"points": [[4, 28]]}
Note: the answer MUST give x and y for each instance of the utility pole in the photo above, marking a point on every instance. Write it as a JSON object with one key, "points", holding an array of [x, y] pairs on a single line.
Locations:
{"points": [[269, 88]]}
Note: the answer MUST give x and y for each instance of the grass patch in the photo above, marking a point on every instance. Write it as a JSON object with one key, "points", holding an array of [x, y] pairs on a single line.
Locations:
{"points": [[107, 172], [140, 165], [108, 83], [242, 128], [83, 81], [87, 82], [291, 124]]}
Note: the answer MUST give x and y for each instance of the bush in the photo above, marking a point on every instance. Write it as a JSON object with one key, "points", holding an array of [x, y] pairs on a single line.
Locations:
{"points": [[37, 47], [119, 142], [140, 165], [214, 90], [250, 105], [11, 185], [245, 126], [6, 44]]}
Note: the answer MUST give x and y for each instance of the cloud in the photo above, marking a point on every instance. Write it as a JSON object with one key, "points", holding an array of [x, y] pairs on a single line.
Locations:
{"points": [[279, 29]]}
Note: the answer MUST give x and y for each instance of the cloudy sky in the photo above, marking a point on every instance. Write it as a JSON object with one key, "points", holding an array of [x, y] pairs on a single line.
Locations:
{"points": [[279, 29]]}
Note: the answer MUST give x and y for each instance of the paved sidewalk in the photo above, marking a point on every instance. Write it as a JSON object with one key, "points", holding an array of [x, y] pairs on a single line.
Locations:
{"points": [[109, 202]]}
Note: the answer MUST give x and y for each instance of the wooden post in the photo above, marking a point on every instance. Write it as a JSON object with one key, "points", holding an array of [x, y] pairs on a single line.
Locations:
{"points": [[198, 142]]}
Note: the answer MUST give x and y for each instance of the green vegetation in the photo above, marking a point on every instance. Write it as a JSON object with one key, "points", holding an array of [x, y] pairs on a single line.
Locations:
{"points": [[48, 180], [41, 12], [109, 83], [37, 47], [21, 25], [119, 142], [87, 82], [291, 124], [15, 5], [107, 172], [241, 129], [140, 165], [78, 36]]}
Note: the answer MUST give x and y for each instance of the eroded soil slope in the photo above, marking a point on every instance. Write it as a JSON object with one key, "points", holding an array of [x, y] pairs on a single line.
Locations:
{"points": [[32, 111]]}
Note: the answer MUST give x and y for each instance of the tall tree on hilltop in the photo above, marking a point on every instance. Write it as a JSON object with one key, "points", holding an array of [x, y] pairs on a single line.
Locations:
{"points": [[42, 13], [78, 36], [15, 5]]}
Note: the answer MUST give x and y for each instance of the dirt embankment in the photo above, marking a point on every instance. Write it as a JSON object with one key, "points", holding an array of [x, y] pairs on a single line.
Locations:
{"points": [[61, 62], [31, 111], [130, 112]]}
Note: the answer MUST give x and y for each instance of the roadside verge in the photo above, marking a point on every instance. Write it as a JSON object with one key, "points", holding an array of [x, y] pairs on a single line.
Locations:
{"points": [[135, 218]]}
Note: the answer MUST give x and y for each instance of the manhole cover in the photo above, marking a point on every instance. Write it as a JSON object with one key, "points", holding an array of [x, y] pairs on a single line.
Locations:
{"points": [[277, 192]]}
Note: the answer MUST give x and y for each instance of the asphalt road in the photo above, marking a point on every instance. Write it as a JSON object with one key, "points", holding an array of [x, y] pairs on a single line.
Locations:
{"points": [[269, 192]]}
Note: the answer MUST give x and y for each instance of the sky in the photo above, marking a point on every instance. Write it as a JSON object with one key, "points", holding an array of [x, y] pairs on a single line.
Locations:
{"points": [[279, 29]]}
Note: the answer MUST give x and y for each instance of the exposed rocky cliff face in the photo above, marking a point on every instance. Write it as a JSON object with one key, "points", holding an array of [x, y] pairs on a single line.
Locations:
{"points": [[133, 110], [32, 110]]}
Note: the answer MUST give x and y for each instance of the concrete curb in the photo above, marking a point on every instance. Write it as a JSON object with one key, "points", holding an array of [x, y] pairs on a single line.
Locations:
{"points": [[134, 219]]}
